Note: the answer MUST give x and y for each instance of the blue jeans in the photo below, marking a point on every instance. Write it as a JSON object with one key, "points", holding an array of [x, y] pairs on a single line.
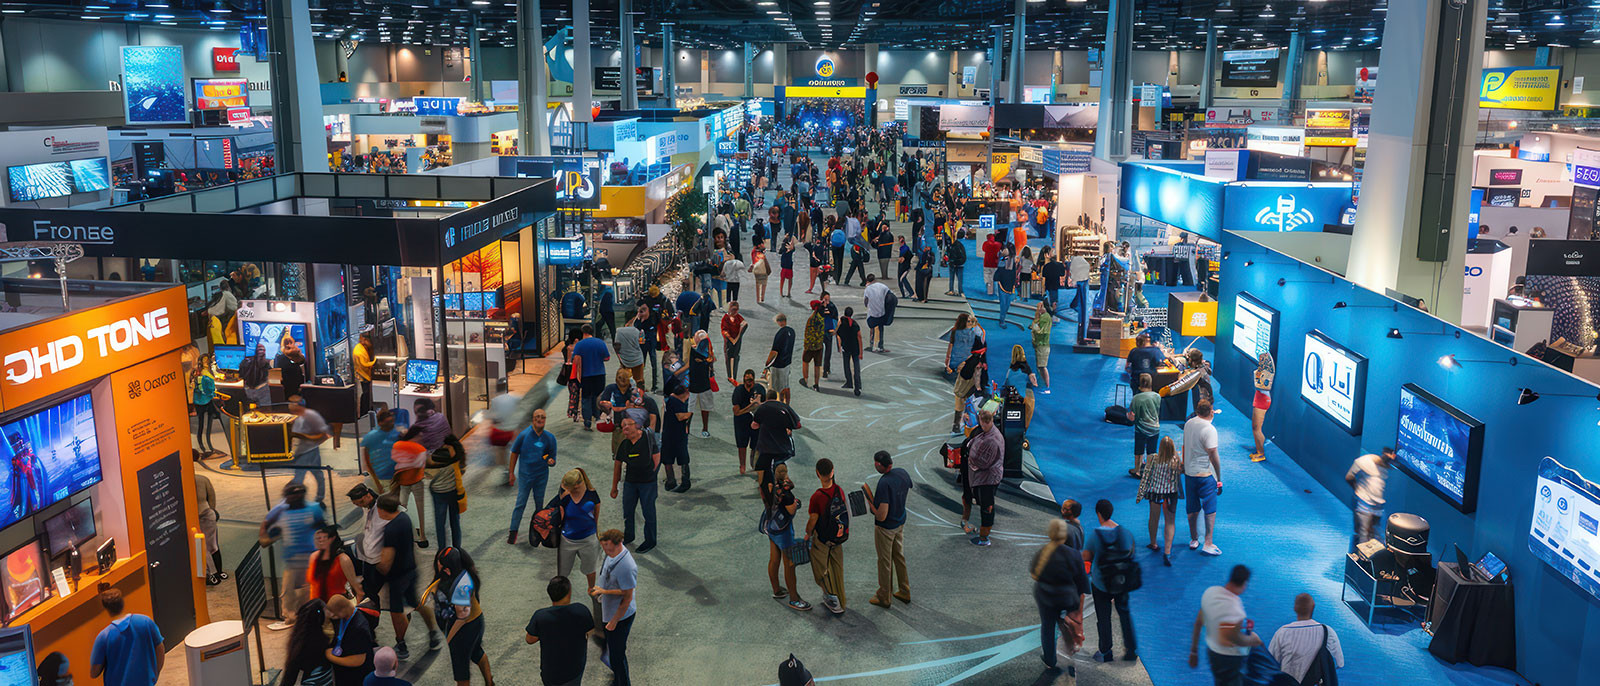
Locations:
{"points": [[635, 495], [1103, 603], [1226, 670], [311, 463], [530, 479], [591, 387], [1080, 299], [1005, 303], [955, 280], [617, 648], [1049, 620], [445, 506]]}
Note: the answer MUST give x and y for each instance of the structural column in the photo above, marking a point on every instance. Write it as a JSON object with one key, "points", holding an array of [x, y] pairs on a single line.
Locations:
{"points": [[582, 63], [1210, 77], [1111, 138], [871, 64], [954, 85], [533, 81], [1292, 69], [1018, 53], [630, 89], [302, 143], [705, 73], [669, 67], [1410, 232], [749, 69], [780, 64], [997, 59], [477, 59]]}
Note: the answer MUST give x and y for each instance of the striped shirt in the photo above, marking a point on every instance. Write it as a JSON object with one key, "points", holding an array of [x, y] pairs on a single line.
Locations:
{"points": [[1159, 479], [1295, 646]]}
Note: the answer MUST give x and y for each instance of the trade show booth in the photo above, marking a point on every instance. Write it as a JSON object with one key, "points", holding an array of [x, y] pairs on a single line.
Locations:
{"points": [[101, 483]]}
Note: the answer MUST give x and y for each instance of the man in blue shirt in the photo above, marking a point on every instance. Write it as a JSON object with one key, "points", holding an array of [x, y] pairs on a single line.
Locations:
{"points": [[293, 521], [128, 652], [532, 456], [590, 355], [1109, 543], [376, 449], [1144, 358], [889, 509]]}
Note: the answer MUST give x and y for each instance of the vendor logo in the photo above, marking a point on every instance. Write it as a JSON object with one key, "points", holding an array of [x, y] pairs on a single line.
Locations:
{"points": [[825, 67], [1313, 370], [913, 90], [133, 390], [1284, 215], [1197, 320], [46, 230], [66, 352], [450, 237]]}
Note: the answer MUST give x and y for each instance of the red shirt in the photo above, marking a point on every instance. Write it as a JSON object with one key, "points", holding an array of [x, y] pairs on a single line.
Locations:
{"points": [[820, 499], [991, 253], [731, 324]]}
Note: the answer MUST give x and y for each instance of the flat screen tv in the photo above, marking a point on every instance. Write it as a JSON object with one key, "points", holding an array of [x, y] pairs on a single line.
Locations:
{"points": [[424, 372], [70, 528], [1439, 446], [271, 334], [228, 357], [16, 656], [1565, 531], [1255, 327], [46, 456], [1333, 380], [22, 580]]}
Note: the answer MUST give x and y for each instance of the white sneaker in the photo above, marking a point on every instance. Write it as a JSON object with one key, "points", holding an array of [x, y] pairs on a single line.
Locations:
{"points": [[280, 626], [1211, 550]]}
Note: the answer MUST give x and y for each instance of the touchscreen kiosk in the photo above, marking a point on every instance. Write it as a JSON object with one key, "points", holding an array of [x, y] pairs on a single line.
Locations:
{"points": [[16, 656]]}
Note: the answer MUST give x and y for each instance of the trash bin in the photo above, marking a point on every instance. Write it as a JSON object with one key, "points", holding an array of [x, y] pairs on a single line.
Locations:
{"points": [[217, 655]]}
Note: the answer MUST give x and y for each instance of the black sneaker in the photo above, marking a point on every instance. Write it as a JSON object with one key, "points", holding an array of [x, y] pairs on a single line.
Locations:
{"points": [[400, 651], [422, 544], [647, 547]]}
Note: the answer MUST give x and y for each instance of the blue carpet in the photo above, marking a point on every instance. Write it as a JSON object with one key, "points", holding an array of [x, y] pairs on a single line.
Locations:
{"points": [[1272, 516]]}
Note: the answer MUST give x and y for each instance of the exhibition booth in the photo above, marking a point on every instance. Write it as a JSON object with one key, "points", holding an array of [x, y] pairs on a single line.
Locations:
{"points": [[99, 476], [440, 269], [1493, 454]]}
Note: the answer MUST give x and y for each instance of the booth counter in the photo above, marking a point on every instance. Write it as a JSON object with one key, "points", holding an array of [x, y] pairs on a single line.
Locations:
{"points": [[108, 442]]}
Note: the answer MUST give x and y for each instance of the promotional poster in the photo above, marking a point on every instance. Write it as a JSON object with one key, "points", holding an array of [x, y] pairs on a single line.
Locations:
{"points": [[153, 84], [48, 455], [1333, 380], [1565, 531], [1253, 326]]}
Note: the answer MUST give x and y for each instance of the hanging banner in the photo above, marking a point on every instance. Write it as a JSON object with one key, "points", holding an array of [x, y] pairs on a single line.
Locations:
{"points": [[1520, 88]]}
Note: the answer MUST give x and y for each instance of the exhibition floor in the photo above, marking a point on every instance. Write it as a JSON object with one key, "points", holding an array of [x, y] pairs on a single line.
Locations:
{"points": [[1272, 516]]}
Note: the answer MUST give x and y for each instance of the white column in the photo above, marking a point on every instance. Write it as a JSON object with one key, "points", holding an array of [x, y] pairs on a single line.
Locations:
{"points": [[1017, 73], [1111, 137], [705, 72], [1207, 81], [582, 63], [780, 64]]}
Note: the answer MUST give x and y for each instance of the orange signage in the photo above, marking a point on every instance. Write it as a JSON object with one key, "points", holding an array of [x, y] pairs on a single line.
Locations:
{"points": [[221, 94], [77, 347]]}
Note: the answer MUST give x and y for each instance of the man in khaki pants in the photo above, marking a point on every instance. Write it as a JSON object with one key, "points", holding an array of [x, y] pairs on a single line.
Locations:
{"points": [[827, 529], [889, 509]]}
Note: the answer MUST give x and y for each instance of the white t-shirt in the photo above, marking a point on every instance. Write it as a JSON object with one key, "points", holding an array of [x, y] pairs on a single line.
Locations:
{"points": [[1220, 606], [370, 547], [1199, 437], [1369, 476], [875, 295]]}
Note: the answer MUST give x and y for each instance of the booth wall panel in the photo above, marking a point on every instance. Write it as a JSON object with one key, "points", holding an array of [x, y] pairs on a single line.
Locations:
{"points": [[215, 200], [318, 185], [413, 187], [465, 187], [358, 186], [257, 192], [1555, 620]]}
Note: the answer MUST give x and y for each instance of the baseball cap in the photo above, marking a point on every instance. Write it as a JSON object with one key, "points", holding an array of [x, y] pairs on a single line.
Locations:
{"points": [[792, 673]]}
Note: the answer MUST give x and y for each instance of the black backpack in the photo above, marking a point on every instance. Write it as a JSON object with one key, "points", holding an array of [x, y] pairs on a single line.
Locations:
{"points": [[890, 301], [1323, 669], [834, 525], [1120, 573]]}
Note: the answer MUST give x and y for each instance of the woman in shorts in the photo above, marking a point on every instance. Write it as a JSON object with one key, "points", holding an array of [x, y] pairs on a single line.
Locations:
{"points": [[777, 496], [580, 520], [1266, 370], [1162, 486], [760, 269], [785, 267], [456, 587]]}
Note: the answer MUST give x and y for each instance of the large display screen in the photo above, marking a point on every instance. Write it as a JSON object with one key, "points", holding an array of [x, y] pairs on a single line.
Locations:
{"points": [[221, 94], [152, 84], [48, 456], [1439, 446], [71, 527], [1255, 327], [1250, 68], [1333, 379], [425, 372], [22, 578], [57, 179], [271, 334], [1565, 532]]}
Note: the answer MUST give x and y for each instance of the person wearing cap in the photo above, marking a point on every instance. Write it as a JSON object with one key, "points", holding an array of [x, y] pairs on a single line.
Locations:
{"points": [[385, 665], [293, 522], [309, 432], [792, 673]]}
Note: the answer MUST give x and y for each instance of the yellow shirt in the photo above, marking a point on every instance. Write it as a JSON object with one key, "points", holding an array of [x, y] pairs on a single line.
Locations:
{"points": [[363, 362]]}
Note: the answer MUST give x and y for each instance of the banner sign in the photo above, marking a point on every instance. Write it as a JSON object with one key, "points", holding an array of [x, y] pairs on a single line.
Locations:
{"points": [[1188, 201], [1520, 88], [153, 85], [1264, 206], [221, 94], [1250, 68], [437, 107], [963, 117], [1327, 119], [225, 59]]}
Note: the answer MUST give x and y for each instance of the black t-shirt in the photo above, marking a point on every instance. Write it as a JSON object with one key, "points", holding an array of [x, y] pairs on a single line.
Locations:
{"points": [[818, 253], [885, 244], [783, 344], [675, 435], [1054, 273], [638, 467], [397, 534], [742, 397], [1144, 360], [776, 420], [353, 637], [561, 630], [699, 372], [849, 337]]}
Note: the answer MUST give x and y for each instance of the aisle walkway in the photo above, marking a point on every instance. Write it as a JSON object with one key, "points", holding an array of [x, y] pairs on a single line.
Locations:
{"points": [[1272, 516]]}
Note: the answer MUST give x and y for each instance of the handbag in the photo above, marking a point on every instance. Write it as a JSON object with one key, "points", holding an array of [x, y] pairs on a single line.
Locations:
{"points": [[604, 424], [799, 553], [544, 528]]}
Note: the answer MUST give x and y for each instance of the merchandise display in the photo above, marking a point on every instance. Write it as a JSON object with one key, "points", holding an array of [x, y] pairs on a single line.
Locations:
{"points": [[49, 455], [1439, 446]]}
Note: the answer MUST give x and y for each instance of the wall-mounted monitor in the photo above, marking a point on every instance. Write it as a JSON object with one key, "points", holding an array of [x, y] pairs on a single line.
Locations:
{"points": [[424, 372], [30, 182], [271, 334], [22, 580], [1255, 327], [46, 456], [69, 528], [1333, 380], [228, 357], [1439, 446], [1565, 532]]}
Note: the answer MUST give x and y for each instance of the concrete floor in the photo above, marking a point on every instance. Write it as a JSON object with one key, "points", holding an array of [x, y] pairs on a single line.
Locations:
{"points": [[705, 604]]}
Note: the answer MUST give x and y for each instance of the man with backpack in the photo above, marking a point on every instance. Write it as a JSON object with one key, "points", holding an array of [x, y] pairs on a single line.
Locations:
{"points": [[880, 303], [1109, 549], [827, 529], [1307, 651]]}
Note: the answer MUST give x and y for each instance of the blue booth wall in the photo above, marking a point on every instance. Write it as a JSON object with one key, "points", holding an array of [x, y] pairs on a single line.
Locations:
{"points": [[1555, 620]]}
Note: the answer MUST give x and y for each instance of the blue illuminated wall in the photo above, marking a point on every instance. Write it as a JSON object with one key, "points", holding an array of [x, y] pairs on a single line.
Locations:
{"points": [[1557, 624], [1174, 193], [1276, 206]]}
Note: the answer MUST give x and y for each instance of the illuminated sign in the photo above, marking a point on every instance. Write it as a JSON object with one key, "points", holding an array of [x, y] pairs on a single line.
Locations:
{"points": [[225, 59], [1267, 206], [71, 349], [1565, 531], [1520, 88], [824, 67], [825, 92], [446, 107], [1327, 119], [221, 94], [1330, 141], [1333, 380]]}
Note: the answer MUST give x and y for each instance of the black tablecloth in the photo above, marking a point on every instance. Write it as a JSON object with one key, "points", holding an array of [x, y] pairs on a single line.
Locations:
{"points": [[1479, 624]]}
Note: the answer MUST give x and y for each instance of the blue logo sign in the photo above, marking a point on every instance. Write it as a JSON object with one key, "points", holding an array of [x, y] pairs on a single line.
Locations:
{"points": [[450, 237], [825, 67], [1587, 176], [986, 222], [437, 107]]}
